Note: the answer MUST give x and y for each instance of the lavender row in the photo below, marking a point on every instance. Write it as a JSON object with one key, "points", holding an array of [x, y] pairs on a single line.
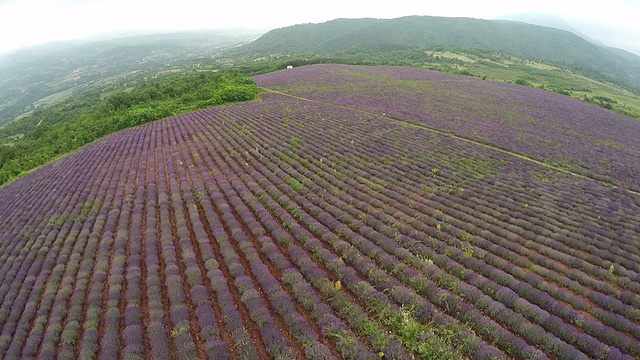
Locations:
{"points": [[242, 210], [427, 169], [275, 341], [412, 275], [58, 270], [540, 124], [330, 261], [267, 275], [468, 219], [223, 156], [607, 273]]}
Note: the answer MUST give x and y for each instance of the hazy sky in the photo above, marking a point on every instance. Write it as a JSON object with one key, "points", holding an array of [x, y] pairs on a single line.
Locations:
{"points": [[27, 22]]}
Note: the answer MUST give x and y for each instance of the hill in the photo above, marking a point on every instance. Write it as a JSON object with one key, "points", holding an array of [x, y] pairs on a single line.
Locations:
{"points": [[600, 34], [538, 43], [41, 76], [548, 20], [63, 128], [345, 215]]}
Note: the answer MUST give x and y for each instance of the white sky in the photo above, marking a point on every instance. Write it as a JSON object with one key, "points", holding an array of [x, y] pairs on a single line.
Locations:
{"points": [[28, 22]]}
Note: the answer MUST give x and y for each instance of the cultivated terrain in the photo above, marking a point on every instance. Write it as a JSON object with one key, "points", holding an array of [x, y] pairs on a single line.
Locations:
{"points": [[351, 212]]}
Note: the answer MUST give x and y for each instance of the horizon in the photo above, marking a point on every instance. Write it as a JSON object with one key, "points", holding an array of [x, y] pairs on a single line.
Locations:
{"points": [[64, 20]]}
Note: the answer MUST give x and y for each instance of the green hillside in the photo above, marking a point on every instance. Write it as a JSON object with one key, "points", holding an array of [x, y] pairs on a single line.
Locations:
{"points": [[538, 43], [41, 76]]}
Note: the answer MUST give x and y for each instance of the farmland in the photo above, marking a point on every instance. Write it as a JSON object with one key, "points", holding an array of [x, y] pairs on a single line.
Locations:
{"points": [[353, 212]]}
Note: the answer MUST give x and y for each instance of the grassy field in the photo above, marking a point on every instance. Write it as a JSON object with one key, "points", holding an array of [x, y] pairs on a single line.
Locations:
{"points": [[512, 69], [54, 98]]}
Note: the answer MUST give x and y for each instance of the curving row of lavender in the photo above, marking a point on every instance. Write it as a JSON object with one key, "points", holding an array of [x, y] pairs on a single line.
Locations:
{"points": [[289, 228], [562, 131]]}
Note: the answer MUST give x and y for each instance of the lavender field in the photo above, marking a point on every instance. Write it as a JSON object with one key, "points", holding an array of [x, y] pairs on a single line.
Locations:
{"points": [[561, 131], [319, 228]]}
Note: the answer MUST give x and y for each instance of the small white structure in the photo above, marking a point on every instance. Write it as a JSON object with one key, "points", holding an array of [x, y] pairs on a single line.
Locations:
{"points": [[289, 66]]}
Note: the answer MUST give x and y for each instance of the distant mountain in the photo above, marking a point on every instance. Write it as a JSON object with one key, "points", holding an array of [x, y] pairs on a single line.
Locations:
{"points": [[42, 75], [536, 42], [598, 33], [543, 19], [619, 37]]}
